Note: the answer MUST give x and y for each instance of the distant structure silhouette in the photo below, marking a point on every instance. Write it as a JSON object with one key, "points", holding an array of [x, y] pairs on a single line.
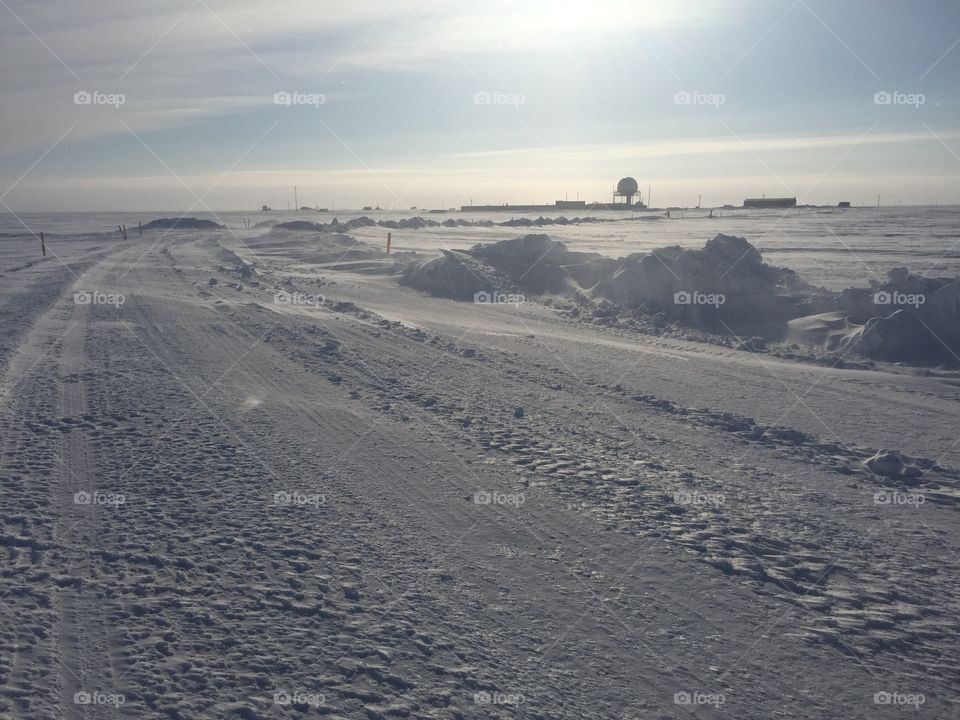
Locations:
{"points": [[626, 189]]}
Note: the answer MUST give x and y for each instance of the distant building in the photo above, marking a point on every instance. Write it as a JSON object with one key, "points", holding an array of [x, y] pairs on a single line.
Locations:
{"points": [[626, 189], [625, 197], [558, 205], [511, 208], [766, 202], [843, 204]]}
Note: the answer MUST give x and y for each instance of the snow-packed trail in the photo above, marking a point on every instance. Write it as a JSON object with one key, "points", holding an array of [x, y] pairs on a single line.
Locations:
{"points": [[329, 513]]}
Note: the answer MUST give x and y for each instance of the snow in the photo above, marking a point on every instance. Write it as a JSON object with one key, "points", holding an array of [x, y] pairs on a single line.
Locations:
{"points": [[379, 503]]}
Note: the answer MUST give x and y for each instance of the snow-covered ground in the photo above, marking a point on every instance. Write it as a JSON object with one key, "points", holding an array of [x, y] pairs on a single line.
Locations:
{"points": [[828, 246], [365, 502]]}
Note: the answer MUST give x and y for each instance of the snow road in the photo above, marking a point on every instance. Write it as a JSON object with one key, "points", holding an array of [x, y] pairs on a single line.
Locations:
{"points": [[378, 504]]}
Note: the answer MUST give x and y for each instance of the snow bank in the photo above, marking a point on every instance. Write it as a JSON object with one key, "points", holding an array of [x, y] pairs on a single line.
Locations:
{"points": [[455, 275], [724, 286], [533, 262], [907, 318], [740, 291]]}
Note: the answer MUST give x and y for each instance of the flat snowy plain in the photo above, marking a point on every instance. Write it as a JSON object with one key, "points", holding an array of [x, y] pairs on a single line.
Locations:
{"points": [[370, 503]]}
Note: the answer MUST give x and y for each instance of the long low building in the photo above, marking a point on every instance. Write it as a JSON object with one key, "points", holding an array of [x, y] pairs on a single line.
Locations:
{"points": [[770, 202], [558, 205]]}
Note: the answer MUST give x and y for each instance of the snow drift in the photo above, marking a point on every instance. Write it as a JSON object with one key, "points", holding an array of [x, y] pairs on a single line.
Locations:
{"points": [[455, 274], [725, 288], [907, 318], [745, 293]]}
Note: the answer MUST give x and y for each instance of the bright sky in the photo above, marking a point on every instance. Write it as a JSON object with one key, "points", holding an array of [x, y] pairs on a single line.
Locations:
{"points": [[439, 103]]}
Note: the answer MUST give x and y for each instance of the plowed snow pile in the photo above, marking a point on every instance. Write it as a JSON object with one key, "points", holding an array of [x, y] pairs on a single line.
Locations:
{"points": [[726, 285], [729, 271], [907, 318], [725, 288], [454, 274], [537, 264]]}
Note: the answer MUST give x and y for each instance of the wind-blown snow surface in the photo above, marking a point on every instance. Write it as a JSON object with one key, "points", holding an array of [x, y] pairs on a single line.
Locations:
{"points": [[343, 498], [827, 246]]}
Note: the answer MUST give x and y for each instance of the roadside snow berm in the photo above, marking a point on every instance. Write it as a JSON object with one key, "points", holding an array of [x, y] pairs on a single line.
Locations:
{"points": [[725, 285]]}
